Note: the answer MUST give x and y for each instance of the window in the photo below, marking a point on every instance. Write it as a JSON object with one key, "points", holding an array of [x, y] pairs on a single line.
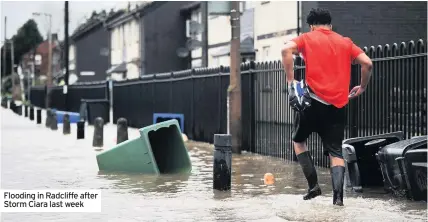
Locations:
{"points": [[265, 52], [196, 63], [215, 61], [123, 45], [119, 37], [137, 32], [196, 15], [55, 59], [127, 33], [38, 59]]}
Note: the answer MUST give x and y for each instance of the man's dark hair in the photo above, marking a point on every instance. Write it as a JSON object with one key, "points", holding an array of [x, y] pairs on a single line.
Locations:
{"points": [[319, 16]]}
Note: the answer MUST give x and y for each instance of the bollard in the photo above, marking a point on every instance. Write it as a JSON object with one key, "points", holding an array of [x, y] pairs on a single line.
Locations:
{"points": [[54, 121], [19, 110], [31, 113], [222, 169], [66, 124], [12, 106], [25, 111], [81, 129], [39, 116], [122, 130], [48, 118], [5, 102], [98, 132]]}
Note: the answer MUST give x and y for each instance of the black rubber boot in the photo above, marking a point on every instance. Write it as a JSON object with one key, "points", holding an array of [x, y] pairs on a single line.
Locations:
{"points": [[308, 168], [337, 178]]}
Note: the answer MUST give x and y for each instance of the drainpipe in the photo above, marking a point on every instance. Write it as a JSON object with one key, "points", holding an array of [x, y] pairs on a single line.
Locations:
{"points": [[142, 45]]}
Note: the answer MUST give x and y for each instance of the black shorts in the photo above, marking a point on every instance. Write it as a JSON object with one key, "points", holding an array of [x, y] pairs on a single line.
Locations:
{"points": [[327, 121]]}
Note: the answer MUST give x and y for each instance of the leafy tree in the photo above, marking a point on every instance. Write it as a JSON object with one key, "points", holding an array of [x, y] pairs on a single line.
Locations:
{"points": [[7, 62], [27, 38]]}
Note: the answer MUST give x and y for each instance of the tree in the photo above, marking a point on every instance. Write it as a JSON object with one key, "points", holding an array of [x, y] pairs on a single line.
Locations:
{"points": [[27, 38], [7, 63]]}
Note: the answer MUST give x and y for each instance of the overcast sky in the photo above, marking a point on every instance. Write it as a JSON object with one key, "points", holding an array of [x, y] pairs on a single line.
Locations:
{"points": [[18, 12]]}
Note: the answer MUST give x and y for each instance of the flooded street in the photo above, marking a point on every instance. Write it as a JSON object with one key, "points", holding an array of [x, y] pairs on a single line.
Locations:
{"points": [[34, 157]]}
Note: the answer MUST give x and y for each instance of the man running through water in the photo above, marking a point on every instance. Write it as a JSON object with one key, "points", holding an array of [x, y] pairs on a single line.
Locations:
{"points": [[328, 57]]}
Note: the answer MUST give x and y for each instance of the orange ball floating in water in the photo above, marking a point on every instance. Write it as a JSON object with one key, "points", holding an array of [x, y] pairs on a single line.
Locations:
{"points": [[269, 179]]}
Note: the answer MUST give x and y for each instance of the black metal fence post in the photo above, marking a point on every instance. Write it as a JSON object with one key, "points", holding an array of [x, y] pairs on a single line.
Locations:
{"points": [[253, 78]]}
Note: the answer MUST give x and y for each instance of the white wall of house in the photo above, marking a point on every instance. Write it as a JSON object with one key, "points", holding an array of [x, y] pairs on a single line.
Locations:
{"points": [[125, 47], [277, 19], [219, 31]]}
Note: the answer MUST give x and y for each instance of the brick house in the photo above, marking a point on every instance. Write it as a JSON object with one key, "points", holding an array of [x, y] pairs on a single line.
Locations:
{"points": [[40, 57]]}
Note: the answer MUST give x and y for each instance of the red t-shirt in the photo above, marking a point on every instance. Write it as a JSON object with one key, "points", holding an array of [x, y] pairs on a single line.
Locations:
{"points": [[328, 57]]}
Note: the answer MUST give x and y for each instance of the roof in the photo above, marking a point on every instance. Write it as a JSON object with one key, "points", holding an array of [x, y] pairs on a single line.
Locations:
{"points": [[93, 23], [42, 48], [127, 16], [190, 6]]}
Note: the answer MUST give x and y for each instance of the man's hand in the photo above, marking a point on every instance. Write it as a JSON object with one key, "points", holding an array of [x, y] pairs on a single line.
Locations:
{"points": [[298, 99], [356, 91], [292, 97], [291, 82]]}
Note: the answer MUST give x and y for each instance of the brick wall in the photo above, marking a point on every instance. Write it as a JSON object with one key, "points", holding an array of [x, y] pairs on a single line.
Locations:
{"points": [[375, 23]]}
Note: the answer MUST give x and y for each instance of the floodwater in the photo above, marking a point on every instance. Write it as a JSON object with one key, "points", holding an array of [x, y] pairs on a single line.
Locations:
{"points": [[33, 157]]}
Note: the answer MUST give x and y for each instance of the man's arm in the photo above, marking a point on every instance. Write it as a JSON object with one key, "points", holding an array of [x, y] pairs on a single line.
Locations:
{"points": [[359, 57], [366, 69], [287, 52]]}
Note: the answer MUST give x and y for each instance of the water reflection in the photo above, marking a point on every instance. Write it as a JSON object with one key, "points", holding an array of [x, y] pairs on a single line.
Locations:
{"points": [[140, 183], [222, 195]]}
